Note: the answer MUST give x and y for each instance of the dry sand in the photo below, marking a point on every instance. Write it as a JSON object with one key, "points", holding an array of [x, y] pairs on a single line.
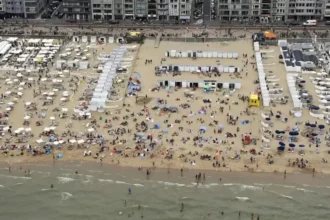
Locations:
{"points": [[149, 79]]}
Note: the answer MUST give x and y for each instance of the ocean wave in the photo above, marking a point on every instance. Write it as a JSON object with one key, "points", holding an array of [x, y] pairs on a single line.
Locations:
{"points": [[263, 184], [138, 185], [66, 195], [304, 190], [2, 186], [285, 196], [95, 171], [44, 189], [285, 186], [17, 177], [228, 184], [248, 187], [64, 179], [243, 199], [121, 182], [171, 184], [105, 180]]}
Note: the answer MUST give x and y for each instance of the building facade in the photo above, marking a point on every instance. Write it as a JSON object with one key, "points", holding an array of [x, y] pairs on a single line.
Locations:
{"points": [[267, 11], [14, 8], [33, 8], [78, 10], [102, 9]]}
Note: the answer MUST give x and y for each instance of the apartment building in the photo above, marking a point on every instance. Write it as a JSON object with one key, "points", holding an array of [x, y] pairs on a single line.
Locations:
{"points": [[102, 9], [237, 9], [267, 11], [327, 10], [1, 6], [141, 9], [14, 8], [79, 10], [33, 8]]}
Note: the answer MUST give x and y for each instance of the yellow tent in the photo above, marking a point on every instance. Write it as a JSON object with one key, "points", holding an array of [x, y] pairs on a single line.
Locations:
{"points": [[254, 100], [134, 34]]}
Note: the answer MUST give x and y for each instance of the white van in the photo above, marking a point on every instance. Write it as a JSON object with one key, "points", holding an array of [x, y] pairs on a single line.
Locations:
{"points": [[310, 23]]}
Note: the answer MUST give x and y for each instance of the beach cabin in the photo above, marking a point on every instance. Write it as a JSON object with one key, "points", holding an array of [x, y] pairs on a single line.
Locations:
{"points": [[254, 100]]}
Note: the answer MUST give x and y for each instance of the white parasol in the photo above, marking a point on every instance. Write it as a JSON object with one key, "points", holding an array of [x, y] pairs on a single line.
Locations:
{"points": [[72, 141], [40, 141], [52, 118], [81, 141], [64, 109], [27, 117]]}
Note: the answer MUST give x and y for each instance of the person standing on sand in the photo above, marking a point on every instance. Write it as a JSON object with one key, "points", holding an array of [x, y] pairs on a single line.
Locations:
{"points": [[284, 174]]}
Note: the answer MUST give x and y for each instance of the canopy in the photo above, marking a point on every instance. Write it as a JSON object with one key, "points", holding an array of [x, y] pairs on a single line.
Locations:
{"points": [[270, 35]]}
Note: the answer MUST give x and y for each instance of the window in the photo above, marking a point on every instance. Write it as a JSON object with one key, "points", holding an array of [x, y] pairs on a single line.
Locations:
{"points": [[96, 5]]}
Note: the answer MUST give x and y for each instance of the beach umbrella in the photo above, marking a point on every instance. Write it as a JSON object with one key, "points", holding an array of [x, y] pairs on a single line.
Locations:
{"points": [[81, 141], [46, 129], [292, 145], [281, 148], [72, 141], [314, 107], [40, 141], [64, 109], [221, 126], [293, 133], [56, 143], [11, 103], [52, 118], [202, 128], [28, 129], [27, 117], [321, 126], [8, 92], [267, 119], [61, 141], [278, 132], [278, 116], [307, 124], [301, 145], [52, 128], [313, 125], [314, 134], [90, 129], [281, 143]]}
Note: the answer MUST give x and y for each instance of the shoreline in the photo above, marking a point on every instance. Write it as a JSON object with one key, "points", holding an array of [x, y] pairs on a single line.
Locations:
{"points": [[129, 163]]}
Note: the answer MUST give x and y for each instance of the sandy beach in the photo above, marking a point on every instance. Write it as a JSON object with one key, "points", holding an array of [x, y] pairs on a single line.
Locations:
{"points": [[205, 133]]}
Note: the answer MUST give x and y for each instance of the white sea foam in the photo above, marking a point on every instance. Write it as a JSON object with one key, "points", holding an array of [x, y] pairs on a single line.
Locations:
{"points": [[44, 189], [1, 186], [138, 185], [95, 171], [17, 177], [304, 190], [66, 195], [184, 198], [285, 196], [248, 187], [105, 180], [64, 179], [243, 199], [228, 184], [121, 182]]}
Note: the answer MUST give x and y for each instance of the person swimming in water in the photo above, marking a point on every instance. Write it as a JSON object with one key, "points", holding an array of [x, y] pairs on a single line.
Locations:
{"points": [[129, 191], [51, 186]]}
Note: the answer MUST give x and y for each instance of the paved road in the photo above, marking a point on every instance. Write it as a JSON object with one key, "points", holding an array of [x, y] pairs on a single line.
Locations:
{"points": [[136, 25]]}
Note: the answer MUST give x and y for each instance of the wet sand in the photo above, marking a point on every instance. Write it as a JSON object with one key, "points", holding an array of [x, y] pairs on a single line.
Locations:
{"points": [[148, 79]]}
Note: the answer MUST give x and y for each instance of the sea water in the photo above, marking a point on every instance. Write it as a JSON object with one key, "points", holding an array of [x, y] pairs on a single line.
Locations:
{"points": [[101, 192]]}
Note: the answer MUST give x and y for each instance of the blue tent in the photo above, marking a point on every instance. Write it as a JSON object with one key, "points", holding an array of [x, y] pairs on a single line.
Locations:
{"points": [[202, 128], [156, 126], [281, 148], [314, 107], [301, 145]]}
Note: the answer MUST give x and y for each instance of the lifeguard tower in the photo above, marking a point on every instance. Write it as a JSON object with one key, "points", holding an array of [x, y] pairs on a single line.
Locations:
{"points": [[254, 100]]}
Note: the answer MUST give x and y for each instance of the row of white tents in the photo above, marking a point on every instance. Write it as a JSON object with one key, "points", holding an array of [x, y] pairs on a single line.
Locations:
{"points": [[291, 80], [101, 92], [261, 74], [201, 54]]}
